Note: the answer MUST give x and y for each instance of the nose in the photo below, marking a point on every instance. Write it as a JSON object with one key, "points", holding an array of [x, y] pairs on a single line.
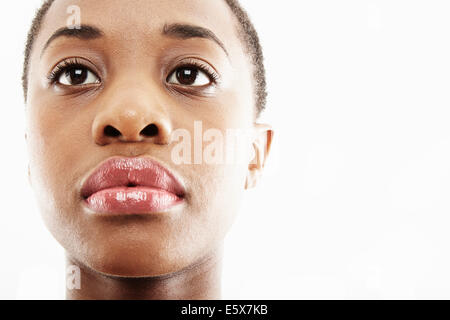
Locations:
{"points": [[131, 115]]}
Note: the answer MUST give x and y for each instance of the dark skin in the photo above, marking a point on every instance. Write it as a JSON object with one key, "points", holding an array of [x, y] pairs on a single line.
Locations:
{"points": [[128, 86]]}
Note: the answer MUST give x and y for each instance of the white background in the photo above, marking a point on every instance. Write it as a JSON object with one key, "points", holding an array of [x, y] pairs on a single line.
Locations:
{"points": [[355, 202]]}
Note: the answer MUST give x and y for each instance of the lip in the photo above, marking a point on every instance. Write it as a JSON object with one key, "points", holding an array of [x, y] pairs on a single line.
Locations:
{"points": [[137, 185]]}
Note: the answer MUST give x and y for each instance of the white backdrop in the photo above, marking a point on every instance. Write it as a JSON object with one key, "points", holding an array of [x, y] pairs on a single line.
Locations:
{"points": [[355, 200]]}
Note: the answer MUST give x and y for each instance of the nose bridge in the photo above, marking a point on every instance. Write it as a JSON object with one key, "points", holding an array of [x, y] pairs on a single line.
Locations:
{"points": [[131, 111]]}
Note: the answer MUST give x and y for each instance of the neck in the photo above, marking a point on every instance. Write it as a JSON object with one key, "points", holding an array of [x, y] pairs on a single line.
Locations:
{"points": [[199, 281]]}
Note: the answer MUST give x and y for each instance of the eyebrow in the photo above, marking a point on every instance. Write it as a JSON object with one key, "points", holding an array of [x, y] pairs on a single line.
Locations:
{"points": [[187, 31], [177, 30], [84, 32]]}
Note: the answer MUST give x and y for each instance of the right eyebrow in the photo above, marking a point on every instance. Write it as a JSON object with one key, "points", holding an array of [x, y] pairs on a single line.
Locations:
{"points": [[84, 32]]}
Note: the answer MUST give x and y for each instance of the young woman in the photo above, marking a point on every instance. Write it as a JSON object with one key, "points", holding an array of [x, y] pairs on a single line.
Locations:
{"points": [[129, 108]]}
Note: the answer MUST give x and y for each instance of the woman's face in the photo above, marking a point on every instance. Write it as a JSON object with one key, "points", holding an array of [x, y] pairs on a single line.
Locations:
{"points": [[126, 78]]}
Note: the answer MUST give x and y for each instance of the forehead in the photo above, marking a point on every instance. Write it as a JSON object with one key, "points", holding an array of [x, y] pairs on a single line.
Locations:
{"points": [[136, 19]]}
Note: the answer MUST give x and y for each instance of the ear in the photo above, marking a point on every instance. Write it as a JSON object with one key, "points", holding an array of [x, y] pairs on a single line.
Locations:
{"points": [[29, 175], [261, 143], [29, 170]]}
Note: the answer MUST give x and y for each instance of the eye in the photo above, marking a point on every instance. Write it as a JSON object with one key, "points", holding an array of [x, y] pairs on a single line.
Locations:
{"points": [[77, 76], [189, 76]]}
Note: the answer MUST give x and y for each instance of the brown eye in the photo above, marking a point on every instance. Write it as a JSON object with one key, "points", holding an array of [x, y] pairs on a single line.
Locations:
{"points": [[76, 76], [189, 76]]}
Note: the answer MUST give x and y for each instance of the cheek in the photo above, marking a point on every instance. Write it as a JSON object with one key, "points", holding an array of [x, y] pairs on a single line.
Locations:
{"points": [[55, 147], [216, 188], [57, 137], [217, 183]]}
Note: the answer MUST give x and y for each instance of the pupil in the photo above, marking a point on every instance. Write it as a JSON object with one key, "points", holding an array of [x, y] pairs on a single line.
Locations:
{"points": [[187, 76], [77, 76]]}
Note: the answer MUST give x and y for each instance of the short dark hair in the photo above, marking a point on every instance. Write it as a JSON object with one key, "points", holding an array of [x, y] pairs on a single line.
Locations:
{"points": [[246, 31]]}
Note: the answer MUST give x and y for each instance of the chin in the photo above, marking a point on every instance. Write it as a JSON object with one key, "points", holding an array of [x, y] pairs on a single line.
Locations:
{"points": [[132, 260]]}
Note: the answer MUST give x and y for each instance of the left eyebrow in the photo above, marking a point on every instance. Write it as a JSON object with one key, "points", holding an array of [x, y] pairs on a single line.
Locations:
{"points": [[187, 31]]}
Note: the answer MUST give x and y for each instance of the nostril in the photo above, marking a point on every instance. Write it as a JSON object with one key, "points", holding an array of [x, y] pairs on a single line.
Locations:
{"points": [[150, 131], [110, 131]]}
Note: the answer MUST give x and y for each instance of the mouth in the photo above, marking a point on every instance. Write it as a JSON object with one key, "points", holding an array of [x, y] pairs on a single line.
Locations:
{"points": [[131, 186]]}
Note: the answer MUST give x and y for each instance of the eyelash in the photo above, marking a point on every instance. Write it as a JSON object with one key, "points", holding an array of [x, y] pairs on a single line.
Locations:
{"points": [[65, 65], [62, 67], [213, 76]]}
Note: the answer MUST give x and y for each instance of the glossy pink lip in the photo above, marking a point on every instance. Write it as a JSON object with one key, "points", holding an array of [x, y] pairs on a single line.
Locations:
{"points": [[131, 186]]}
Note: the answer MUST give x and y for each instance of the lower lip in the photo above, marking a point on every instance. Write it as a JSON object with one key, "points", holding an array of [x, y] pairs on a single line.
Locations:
{"points": [[132, 200]]}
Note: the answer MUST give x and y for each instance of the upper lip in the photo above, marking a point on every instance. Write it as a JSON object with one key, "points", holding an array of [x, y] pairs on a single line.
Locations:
{"points": [[138, 171]]}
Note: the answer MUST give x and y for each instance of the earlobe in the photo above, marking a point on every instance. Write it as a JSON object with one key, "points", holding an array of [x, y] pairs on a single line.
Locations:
{"points": [[29, 175], [29, 170], [261, 146]]}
